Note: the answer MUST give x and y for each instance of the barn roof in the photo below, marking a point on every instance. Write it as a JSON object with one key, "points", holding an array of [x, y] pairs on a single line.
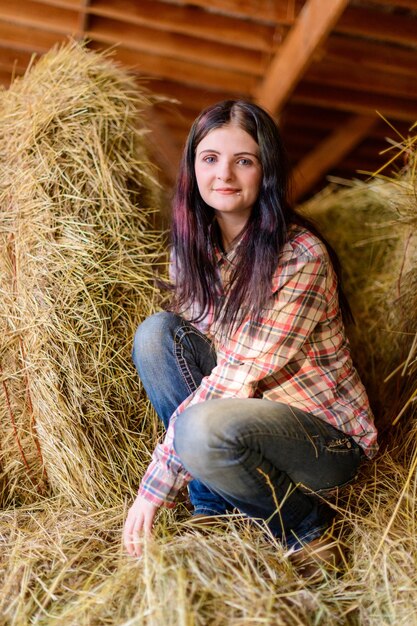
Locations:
{"points": [[339, 75]]}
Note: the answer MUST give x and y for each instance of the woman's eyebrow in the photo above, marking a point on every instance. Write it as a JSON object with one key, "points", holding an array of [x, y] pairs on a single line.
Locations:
{"points": [[246, 152], [235, 154]]}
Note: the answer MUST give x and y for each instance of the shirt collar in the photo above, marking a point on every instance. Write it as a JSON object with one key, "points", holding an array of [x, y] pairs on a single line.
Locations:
{"points": [[226, 257], [221, 256]]}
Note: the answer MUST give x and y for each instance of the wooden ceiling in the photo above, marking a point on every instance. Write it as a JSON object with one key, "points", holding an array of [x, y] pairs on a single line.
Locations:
{"points": [[327, 69]]}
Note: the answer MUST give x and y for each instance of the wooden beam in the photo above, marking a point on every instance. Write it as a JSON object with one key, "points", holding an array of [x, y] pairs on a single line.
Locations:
{"points": [[189, 72], [377, 55], [163, 146], [305, 139], [405, 4], [314, 23], [355, 101], [83, 19], [330, 152], [301, 116], [175, 46], [379, 25], [357, 77], [178, 134], [296, 127], [34, 15], [26, 39], [189, 20], [352, 164], [193, 97], [7, 77], [263, 10], [64, 4], [369, 150], [9, 59], [177, 118]]}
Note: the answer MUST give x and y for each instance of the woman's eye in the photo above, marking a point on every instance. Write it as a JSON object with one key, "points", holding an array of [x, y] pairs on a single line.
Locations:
{"points": [[245, 162], [209, 159]]}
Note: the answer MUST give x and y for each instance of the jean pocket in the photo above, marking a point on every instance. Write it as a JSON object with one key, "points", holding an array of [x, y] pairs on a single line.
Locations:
{"points": [[342, 444]]}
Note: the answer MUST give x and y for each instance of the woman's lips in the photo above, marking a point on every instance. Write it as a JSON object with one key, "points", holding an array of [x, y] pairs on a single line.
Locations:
{"points": [[226, 191]]}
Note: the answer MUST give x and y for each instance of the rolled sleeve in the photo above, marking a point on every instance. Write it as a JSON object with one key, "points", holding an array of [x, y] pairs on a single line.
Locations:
{"points": [[165, 475]]}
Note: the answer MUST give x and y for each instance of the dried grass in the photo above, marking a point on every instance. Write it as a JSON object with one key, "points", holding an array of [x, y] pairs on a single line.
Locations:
{"points": [[75, 278], [77, 246], [61, 565], [372, 226]]}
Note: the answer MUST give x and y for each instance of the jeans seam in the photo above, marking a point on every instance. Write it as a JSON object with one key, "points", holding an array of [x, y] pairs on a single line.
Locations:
{"points": [[301, 486], [188, 330], [179, 355], [183, 369], [306, 439]]}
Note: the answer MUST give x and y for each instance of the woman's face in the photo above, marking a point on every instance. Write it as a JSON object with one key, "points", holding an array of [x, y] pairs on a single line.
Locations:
{"points": [[228, 171]]}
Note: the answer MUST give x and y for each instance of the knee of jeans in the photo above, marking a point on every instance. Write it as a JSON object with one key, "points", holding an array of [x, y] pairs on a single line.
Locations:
{"points": [[150, 335], [194, 439]]}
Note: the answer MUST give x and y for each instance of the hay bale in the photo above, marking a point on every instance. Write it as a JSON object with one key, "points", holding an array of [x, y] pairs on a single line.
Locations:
{"points": [[372, 226], [60, 565], [77, 243], [63, 565]]}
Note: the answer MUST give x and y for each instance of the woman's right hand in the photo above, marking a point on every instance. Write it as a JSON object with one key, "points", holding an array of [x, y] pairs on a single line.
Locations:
{"points": [[138, 525]]}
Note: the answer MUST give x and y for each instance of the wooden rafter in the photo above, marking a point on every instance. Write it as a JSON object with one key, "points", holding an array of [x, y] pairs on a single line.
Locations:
{"points": [[269, 11], [15, 59], [385, 27], [190, 96], [332, 59], [23, 39], [330, 151], [368, 54], [310, 30], [163, 147], [177, 46], [83, 19], [35, 15], [362, 103], [187, 20], [191, 73], [406, 4], [351, 75]]}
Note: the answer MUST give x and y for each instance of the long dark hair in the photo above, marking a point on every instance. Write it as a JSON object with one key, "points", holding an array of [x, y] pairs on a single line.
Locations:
{"points": [[264, 235]]}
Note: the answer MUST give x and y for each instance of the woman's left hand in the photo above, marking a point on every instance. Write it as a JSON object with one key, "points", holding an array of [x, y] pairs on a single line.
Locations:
{"points": [[138, 525]]}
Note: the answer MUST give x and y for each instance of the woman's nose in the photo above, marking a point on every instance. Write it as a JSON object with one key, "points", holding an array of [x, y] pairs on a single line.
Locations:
{"points": [[224, 172]]}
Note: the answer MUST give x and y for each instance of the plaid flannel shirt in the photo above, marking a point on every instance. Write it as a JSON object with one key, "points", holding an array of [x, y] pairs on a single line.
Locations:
{"points": [[296, 354]]}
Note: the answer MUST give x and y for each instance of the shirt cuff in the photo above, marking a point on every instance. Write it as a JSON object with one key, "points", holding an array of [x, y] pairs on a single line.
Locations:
{"points": [[161, 487]]}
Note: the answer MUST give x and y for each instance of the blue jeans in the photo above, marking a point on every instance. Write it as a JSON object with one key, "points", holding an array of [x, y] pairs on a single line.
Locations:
{"points": [[267, 459], [172, 357]]}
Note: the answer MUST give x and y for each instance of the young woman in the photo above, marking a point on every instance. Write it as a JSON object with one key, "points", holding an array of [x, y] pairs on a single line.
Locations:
{"points": [[250, 371]]}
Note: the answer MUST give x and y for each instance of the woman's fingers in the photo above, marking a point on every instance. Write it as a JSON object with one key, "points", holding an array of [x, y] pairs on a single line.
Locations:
{"points": [[138, 525], [131, 530], [137, 538]]}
